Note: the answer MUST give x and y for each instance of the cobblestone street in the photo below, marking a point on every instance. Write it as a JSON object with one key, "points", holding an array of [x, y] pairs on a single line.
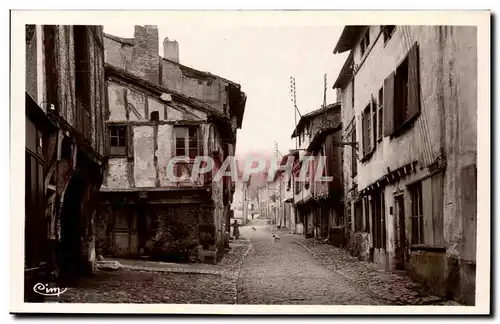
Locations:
{"points": [[283, 272], [257, 270]]}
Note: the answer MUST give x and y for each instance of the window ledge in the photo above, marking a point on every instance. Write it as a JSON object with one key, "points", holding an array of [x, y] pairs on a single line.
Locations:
{"points": [[367, 156], [117, 155], [429, 248]]}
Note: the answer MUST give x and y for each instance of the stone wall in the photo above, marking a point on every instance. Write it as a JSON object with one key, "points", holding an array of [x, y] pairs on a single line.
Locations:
{"points": [[445, 127], [172, 231]]}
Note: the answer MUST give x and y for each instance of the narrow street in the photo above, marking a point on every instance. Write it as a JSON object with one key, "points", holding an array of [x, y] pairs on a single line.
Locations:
{"points": [[256, 270], [283, 272]]}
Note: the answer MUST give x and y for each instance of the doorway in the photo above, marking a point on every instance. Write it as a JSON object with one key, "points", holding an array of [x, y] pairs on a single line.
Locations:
{"points": [[399, 230], [72, 228]]}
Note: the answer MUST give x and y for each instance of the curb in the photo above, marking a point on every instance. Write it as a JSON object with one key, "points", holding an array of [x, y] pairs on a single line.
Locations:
{"points": [[239, 271], [173, 270], [366, 288]]}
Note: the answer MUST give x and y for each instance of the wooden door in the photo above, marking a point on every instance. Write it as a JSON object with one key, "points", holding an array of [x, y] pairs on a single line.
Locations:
{"points": [[399, 230]]}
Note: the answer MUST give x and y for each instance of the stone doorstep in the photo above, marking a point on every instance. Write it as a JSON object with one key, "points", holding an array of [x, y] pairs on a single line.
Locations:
{"points": [[207, 256]]}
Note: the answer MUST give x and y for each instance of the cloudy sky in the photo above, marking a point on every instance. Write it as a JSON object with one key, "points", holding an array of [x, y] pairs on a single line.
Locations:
{"points": [[261, 59]]}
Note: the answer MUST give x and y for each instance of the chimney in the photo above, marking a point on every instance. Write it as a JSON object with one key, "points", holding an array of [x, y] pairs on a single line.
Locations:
{"points": [[145, 58], [171, 50]]}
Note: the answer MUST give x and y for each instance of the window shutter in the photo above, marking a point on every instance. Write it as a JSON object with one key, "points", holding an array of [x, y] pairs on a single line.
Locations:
{"points": [[374, 111], [365, 131], [389, 104], [413, 82]]}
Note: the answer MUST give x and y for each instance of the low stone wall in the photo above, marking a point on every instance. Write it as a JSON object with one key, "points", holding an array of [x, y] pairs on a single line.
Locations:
{"points": [[444, 276], [173, 232]]}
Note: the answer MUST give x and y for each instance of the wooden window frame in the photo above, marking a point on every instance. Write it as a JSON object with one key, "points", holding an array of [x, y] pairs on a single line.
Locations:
{"points": [[417, 216], [191, 142], [380, 113], [118, 148], [367, 123]]}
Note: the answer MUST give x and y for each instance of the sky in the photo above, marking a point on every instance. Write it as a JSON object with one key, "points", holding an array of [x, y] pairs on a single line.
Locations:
{"points": [[261, 59]]}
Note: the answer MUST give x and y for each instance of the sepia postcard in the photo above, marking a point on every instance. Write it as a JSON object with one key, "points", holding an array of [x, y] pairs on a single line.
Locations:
{"points": [[250, 162]]}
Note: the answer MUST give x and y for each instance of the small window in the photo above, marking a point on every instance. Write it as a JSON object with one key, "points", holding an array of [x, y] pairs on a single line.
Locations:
{"points": [[387, 30], [155, 116], [118, 136], [186, 141], [118, 140]]}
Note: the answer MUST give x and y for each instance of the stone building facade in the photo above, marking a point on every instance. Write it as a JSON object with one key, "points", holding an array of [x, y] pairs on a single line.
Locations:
{"points": [[64, 149], [157, 110], [317, 202], [409, 99]]}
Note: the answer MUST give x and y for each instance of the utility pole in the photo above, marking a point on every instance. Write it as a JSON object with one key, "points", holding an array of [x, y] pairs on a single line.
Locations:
{"points": [[293, 95], [279, 201]]}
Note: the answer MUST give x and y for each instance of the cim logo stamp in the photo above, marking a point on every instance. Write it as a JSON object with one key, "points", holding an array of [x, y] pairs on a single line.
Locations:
{"points": [[45, 290]]}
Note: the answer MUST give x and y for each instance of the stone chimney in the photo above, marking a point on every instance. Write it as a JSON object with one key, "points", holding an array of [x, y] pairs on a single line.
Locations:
{"points": [[145, 58], [171, 50]]}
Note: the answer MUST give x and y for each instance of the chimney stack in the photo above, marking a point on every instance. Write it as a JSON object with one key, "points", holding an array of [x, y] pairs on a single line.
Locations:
{"points": [[145, 58], [171, 50]]}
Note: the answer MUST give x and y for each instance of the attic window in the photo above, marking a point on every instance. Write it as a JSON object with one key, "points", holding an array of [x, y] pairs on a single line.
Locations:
{"points": [[155, 116], [200, 81], [209, 83]]}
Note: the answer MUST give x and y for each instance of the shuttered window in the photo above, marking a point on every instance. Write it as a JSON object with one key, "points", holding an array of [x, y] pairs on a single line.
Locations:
{"points": [[401, 94]]}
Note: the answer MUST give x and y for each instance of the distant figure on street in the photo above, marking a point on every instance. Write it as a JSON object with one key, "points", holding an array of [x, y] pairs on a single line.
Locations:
{"points": [[236, 229]]}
